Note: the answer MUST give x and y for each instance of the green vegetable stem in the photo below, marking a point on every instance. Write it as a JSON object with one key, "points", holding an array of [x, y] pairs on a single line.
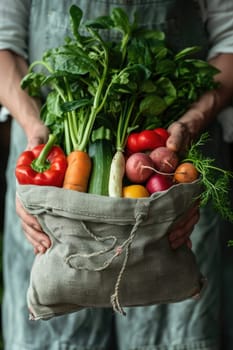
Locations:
{"points": [[133, 83], [215, 180]]}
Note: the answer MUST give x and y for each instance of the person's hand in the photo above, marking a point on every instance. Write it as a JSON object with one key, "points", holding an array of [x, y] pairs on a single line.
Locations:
{"points": [[40, 241], [180, 137], [187, 128], [182, 133], [181, 231], [32, 230], [39, 133]]}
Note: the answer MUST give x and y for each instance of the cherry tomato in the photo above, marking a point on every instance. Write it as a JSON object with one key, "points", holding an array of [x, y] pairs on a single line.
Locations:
{"points": [[132, 143], [149, 140], [163, 133]]}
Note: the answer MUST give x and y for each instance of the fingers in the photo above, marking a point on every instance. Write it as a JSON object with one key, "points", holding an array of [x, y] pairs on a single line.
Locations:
{"points": [[189, 126], [38, 135], [32, 230], [179, 139], [182, 230], [36, 237]]}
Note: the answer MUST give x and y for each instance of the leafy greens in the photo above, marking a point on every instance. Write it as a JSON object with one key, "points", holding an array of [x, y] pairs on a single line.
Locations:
{"points": [[135, 82]]}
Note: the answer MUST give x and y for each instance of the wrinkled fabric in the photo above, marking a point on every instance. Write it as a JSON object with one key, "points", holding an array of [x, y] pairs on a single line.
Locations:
{"points": [[118, 243], [185, 326]]}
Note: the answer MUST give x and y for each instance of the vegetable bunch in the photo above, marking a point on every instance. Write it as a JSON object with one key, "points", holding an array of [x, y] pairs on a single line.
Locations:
{"points": [[160, 168], [113, 93]]}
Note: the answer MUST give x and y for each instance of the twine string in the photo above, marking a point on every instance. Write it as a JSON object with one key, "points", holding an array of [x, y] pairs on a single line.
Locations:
{"points": [[123, 248]]}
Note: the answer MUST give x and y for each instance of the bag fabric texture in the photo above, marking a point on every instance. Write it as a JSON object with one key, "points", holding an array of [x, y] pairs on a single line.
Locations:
{"points": [[108, 252]]}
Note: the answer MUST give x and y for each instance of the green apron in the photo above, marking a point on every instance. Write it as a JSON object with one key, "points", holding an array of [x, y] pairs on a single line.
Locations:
{"points": [[184, 326]]}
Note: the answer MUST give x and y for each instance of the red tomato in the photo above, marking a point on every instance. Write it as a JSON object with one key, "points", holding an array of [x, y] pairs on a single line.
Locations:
{"points": [[163, 133], [132, 143], [149, 140]]}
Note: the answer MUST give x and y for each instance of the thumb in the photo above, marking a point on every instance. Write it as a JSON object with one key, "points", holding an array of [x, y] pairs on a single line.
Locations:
{"points": [[179, 138]]}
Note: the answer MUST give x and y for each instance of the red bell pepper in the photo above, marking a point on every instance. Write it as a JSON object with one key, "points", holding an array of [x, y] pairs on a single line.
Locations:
{"points": [[44, 165]]}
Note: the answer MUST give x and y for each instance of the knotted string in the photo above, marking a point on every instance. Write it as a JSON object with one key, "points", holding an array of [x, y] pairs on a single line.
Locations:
{"points": [[125, 246], [93, 254]]}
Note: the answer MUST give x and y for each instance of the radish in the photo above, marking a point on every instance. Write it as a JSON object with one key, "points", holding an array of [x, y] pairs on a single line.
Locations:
{"points": [[158, 182], [164, 159], [186, 172], [117, 171], [139, 167]]}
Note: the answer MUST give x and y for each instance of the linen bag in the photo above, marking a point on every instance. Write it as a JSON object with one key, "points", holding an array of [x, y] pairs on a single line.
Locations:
{"points": [[108, 252]]}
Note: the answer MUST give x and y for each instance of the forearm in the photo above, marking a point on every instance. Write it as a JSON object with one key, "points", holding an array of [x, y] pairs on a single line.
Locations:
{"points": [[21, 106], [224, 93], [205, 110], [202, 113]]}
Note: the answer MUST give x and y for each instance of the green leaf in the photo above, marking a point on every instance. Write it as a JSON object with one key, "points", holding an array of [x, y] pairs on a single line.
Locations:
{"points": [[102, 22], [75, 104], [33, 82], [160, 52], [186, 52], [76, 15], [151, 34], [53, 102], [121, 20], [148, 86], [167, 90], [165, 67], [68, 60], [152, 105]]}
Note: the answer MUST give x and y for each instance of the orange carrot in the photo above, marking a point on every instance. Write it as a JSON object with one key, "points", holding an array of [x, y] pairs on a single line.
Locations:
{"points": [[78, 171]]}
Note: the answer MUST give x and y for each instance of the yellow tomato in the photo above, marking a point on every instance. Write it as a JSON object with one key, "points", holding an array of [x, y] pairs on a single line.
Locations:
{"points": [[135, 191]]}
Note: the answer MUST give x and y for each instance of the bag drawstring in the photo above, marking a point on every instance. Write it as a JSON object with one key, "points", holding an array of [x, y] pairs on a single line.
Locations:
{"points": [[93, 254], [126, 245], [118, 251]]}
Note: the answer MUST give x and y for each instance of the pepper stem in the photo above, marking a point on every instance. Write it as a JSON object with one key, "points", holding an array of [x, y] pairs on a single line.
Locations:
{"points": [[41, 163]]}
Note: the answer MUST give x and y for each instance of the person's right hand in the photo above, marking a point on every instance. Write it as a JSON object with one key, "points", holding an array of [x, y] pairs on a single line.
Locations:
{"points": [[40, 241], [32, 230], [38, 134]]}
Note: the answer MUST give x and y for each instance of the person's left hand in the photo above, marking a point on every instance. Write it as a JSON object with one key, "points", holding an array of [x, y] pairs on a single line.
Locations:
{"points": [[181, 231], [182, 133]]}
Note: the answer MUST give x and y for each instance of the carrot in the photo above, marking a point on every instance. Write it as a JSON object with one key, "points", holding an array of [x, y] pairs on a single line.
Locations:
{"points": [[78, 171]]}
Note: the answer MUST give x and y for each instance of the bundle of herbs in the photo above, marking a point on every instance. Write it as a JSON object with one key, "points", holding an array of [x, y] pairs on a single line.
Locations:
{"points": [[100, 91]]}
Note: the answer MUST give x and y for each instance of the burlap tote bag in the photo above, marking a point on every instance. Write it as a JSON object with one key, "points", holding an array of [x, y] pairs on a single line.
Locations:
{"points": [[108, 252]]}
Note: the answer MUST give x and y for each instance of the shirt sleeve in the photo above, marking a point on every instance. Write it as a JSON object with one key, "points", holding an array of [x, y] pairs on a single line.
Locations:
{"points": [[14, 19], [219, 22]]}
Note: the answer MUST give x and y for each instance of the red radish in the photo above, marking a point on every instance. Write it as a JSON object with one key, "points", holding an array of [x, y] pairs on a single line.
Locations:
{"points": [[158, 183], [136, 167], [164, 159]]}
